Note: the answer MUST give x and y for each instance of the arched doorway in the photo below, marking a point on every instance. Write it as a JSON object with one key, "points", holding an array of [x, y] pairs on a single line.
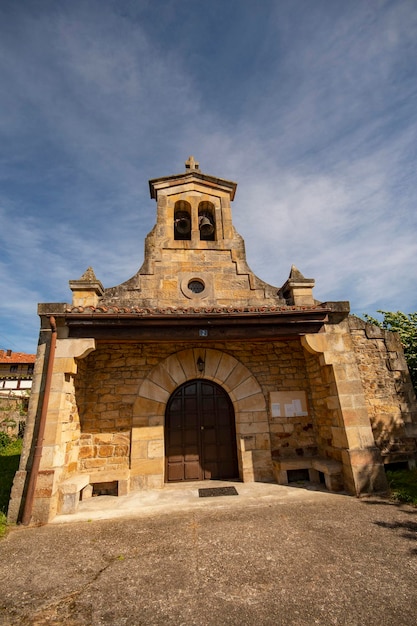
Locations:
{"points": [[200, 433]]}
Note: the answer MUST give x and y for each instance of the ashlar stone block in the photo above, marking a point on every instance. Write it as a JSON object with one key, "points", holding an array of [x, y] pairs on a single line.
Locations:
{"points": [[263, 441], [154, 481], [174, 369], [359, 437], [146, 406], [162, 378], [155, 449], [252, 428], [226, 365], [152, 391], [238, 376], [248, 387], [339, 437], [212, 360], [148, 433], [189, 364], [65, 365], [147, 466], [249, 442], [79, 348], [251, 403]]}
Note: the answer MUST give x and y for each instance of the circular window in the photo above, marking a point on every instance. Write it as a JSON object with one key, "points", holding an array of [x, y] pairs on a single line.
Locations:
{"points": [[196, 286]]}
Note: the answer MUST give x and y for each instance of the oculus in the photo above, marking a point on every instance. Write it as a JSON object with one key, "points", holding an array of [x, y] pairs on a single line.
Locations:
{"points": [[196, 286]]}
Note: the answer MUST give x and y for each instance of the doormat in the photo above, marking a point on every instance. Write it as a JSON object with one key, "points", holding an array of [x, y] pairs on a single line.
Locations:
{"points": [[217, 491]]}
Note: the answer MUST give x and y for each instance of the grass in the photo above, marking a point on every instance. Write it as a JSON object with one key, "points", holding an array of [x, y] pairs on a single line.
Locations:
{"points": [[403, 485], [9, 463]]}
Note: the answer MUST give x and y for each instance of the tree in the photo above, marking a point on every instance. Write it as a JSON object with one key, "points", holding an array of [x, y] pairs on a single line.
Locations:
{"points": [[406, 326]]}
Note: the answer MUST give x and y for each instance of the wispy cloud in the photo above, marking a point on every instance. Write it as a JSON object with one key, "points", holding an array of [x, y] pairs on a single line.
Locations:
{"points": [[310, 107]]}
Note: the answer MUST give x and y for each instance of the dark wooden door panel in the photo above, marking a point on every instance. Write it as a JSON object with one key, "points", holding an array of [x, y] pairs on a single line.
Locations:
{"points": [[200, 435], [192, 471], [175, 472]]}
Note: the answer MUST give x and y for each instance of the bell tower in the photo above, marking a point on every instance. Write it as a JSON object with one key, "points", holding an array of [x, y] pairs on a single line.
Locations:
{"points": [[193, 209], [193, 255]]}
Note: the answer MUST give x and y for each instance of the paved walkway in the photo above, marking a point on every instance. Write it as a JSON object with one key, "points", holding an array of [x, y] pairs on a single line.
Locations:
{"points": [[272, 555], [181, 497]]}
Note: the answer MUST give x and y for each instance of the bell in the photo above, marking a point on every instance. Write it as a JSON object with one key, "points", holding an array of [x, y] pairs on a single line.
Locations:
{"points": [[183, 225], [206, 227]]}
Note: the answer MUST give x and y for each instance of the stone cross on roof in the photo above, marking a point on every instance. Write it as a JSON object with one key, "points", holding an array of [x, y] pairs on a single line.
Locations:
{"points": [[192, 164]]}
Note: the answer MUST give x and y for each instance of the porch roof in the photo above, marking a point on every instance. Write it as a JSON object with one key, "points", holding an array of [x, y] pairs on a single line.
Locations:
{"points": [[228, 323]]}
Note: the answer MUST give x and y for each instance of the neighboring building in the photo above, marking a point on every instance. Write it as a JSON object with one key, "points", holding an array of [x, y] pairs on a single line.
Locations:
{"points": [[196, 369], [16, 373]]}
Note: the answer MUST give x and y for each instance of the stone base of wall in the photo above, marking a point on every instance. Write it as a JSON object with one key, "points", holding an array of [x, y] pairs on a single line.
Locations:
{"points": [[15, 502], [104, 452], [364, 471], [332, 470]]}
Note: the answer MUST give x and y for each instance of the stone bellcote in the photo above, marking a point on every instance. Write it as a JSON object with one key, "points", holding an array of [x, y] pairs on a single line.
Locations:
{"points": [[194, 257], [193, 209]]}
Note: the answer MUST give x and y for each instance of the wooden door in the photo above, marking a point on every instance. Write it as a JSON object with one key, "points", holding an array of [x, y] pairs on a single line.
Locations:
{"points": [[200, 434]]}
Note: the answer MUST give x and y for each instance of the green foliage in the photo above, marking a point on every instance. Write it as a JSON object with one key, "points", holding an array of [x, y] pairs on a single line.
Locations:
{"points": [[5, 440], [406, 326], [3, 524], [13, 448], [9, 464], [403, 485]]}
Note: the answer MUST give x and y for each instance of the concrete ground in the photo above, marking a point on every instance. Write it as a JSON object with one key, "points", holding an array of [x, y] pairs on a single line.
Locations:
{"points": [[272, 555]]}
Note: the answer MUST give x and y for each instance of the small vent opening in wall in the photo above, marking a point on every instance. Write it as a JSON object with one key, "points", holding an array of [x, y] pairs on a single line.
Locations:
{"points": [[105, 489], [295, 476]]}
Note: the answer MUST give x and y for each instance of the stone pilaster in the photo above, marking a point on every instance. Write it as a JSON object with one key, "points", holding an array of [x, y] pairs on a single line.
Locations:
{"points": [[21, 475], [62, 431], [352, 438]]}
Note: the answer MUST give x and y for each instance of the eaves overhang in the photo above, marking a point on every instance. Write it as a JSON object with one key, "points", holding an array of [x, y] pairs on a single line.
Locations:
{"points": [[156, 184], [113, 324]]}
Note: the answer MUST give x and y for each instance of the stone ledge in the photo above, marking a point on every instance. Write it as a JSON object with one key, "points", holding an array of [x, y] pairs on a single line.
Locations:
{"points": [[74, 484], [109, 475], [327, 466], [69, 491], [81, 484], [121, 476], [331, 469]]}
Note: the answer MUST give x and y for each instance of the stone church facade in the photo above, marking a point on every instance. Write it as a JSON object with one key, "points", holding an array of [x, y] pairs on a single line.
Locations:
{"points": [[196, 369]]}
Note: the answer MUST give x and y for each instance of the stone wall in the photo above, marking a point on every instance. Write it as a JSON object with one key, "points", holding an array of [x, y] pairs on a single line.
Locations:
{"points": [[321, 381], [107, 386], [112, 402], [104, 451], [281, 366], [109, 379], [13, 415], [388, 390], [70, 428]]}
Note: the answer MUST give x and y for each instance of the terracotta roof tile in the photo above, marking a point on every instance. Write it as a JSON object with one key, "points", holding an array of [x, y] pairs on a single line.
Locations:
{"points": [[209, 310], [7, 356]]}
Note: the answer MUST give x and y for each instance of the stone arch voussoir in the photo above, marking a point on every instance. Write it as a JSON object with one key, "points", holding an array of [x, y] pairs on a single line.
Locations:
{"points": [[252, 426], [220, 367]]}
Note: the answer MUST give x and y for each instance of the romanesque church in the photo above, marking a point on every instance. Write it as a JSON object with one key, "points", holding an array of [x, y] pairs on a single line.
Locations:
{"points": [[196, 369]]}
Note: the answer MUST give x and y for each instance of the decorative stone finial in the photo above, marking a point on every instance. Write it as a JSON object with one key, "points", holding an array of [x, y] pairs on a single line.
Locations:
{"points": [[192, 164], [298, 290], [295, 274], [89, 275], [87, 290]]}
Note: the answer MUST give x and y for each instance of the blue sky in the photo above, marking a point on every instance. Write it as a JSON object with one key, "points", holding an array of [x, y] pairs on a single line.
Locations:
{"points": [[309, 105]]}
